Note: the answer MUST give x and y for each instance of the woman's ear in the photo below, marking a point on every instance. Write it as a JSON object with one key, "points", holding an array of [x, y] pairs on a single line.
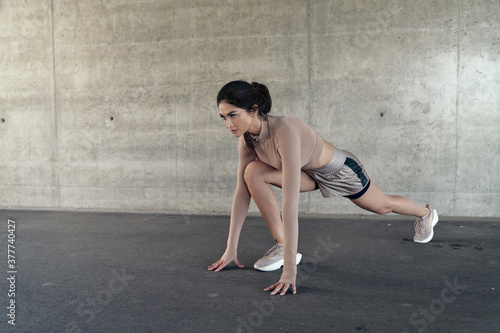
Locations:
{"points": [[255, 110]]}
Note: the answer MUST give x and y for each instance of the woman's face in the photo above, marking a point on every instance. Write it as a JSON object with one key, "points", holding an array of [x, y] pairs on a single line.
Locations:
{"points": [[238, 120]]}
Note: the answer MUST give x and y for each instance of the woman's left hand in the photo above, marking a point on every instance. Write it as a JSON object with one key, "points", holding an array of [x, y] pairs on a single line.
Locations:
{"points": [[281, 286]]}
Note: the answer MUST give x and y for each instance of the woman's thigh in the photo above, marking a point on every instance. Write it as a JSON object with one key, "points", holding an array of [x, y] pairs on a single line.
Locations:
{"points": [[274, 176], [374, 200]]}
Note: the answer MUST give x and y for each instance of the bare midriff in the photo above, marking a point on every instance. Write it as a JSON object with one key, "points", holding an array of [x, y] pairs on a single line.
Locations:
{"points": [[326, 155]]}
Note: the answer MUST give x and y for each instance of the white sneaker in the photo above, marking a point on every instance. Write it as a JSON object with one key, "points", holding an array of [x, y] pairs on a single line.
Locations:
{"points": [[273, 259], [424, 226]]}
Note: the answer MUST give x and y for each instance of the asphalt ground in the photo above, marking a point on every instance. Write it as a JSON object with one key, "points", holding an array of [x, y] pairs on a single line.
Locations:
{"points": [[82, 271]]}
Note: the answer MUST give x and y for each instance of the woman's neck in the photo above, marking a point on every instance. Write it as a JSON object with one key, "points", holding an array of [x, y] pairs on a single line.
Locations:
{"points": [[256, 126]]}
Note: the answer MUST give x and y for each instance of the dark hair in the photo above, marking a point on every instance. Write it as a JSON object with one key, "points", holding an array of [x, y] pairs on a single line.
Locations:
{"points": [[245, 95]]}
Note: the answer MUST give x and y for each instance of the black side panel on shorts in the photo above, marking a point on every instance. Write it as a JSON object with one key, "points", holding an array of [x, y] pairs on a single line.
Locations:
{"points": [[357, 170]]}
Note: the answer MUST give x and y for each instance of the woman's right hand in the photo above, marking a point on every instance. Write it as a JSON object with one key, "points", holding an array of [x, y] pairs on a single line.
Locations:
{"points": [[223, 262]]}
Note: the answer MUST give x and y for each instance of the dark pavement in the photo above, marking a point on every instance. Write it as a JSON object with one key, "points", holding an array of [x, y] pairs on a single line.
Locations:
{"points": [[117, 272]]}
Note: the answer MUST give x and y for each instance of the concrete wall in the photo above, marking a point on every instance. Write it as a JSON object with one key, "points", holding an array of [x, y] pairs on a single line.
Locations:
{"points": [[111, 104]]}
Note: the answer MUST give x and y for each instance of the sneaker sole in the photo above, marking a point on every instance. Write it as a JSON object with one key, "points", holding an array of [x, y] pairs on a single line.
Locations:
{"points": [[276, 265], [434, 222]]}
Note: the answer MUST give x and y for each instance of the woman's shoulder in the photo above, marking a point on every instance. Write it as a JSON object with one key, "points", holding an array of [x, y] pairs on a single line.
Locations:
{"points": [[284, 123]]}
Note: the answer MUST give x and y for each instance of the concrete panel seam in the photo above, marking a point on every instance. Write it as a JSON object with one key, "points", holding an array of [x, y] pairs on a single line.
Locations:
{"points": [[457, 106], [54, 96], [309, 70]]}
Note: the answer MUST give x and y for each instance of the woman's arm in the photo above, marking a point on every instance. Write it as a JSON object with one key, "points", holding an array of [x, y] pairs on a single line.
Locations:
{"points": [[289, 149], [241, 202], [241, 198]]}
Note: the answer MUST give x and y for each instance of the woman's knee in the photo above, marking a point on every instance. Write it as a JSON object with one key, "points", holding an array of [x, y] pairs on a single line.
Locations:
{"points": [[387, 205], [383, 210], [254, 172]]}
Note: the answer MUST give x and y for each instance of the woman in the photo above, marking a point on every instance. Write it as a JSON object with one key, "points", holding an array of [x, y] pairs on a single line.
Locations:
{"points": [[285, 152]]}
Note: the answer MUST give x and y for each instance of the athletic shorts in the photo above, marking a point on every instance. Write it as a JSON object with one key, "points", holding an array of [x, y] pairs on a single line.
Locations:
{"points": [[343, 176]]}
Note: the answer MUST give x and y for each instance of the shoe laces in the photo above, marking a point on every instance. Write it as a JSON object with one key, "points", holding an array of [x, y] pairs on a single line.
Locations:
{"points": [[271, 250], [420, 222], [419, 225]]}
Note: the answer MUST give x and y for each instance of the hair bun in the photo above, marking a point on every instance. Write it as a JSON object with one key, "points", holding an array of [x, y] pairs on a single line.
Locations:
{"points": [[264, 97]]}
